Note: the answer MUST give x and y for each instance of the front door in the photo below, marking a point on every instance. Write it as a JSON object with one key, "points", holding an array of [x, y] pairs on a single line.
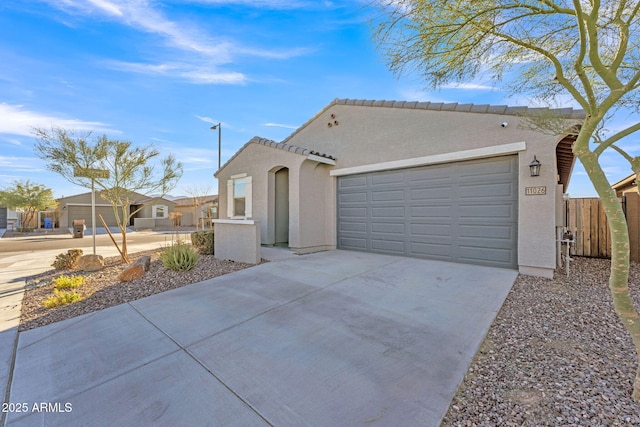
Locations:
{"points": [[282, 207]]}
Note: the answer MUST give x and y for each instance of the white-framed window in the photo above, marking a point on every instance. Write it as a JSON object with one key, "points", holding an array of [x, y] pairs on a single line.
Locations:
{"points": [[159, 211], [239, 196]]}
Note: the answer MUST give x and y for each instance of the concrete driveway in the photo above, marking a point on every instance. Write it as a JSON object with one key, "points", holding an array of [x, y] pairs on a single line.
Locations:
{"points": [[335, 338]]}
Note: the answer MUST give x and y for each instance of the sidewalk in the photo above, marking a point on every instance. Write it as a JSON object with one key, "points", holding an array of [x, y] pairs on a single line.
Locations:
{"points": [[13, 272]]}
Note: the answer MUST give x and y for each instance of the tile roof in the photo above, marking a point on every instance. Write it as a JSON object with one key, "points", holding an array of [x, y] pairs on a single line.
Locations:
{"points": [[279, 146], [568, 113]]}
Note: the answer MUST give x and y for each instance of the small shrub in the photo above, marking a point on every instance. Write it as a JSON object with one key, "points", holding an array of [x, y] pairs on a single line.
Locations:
{"points": [[67, 261], [203, 241], [67, 282], [179, 256], [61, 298]]}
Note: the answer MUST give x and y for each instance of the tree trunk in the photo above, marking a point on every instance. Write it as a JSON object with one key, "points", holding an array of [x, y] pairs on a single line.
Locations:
{"points": [[123, 246], [619, 276]]}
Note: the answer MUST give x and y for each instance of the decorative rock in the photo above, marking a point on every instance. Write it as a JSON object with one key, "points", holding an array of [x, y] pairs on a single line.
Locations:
{"points": [[133, 272], [145, 261], [91, 262]]}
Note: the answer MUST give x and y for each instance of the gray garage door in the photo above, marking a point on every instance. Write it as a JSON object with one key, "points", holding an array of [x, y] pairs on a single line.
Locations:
{"points": [[84, 212], [463, 212], [3, 217]]}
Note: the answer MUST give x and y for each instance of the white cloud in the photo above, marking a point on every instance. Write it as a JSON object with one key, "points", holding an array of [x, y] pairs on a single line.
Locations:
{"points": [[421, 96], [20, 164], [279, 125], [468, 86], [12, 141], [268, 4], [186, 36], [194, 74], [208, 120], [15, 120]]}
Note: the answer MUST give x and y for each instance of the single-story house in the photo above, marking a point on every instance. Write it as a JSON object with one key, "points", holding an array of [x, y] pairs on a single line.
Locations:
{"points": [[450, 182], [203, 211], [626, 185], [9, 218], [154, 213]]}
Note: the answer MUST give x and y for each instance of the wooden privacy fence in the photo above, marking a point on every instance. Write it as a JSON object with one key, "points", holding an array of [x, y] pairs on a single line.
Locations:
{"points": [[586, 219]]}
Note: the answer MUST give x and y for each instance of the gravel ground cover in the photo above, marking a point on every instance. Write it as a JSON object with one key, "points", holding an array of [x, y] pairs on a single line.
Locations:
{"points": [[556, 355], [102, 289]]}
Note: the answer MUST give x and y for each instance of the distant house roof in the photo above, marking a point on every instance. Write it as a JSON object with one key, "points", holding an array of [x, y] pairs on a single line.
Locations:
{"points": [[137, 199], [624, 184], [279, 146], [188, 201]]}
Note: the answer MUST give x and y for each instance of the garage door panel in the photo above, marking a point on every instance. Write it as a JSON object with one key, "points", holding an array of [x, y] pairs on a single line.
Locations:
{"points": [[433, 174], [388, 228], [353, 226], [3, 217], [501, 211], [388, 246], [443, 211], [353, 197], [352, 181], [434, 193], [84, 213], [431, 230], [497, 231], [431, 250], [465, 212], [353, 243], [504, 189], [488, 256], [388, 212], [486, 168], [355, 212], [387, 195], [386, 178]]}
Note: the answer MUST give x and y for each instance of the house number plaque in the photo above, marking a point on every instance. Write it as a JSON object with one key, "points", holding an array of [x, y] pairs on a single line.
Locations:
{"points": [[535, 191]]}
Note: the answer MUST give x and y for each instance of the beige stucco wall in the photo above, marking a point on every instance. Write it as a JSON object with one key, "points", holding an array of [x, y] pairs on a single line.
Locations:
{"points": [[373, 135], [237, 240], [311, 194]]}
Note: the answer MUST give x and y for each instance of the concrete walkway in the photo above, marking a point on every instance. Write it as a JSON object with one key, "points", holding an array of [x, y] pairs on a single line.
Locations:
{"points": [[333, 338], [13, 271]]}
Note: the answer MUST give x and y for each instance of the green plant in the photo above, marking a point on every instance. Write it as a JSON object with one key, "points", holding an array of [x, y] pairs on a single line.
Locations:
{"points": [[61, 298], [66, 282], [179, 256], [67, 261], [203, 241]]}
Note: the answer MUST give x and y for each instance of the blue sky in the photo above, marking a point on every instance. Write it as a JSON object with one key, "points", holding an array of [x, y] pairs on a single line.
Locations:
{"points": [[162, 72]]}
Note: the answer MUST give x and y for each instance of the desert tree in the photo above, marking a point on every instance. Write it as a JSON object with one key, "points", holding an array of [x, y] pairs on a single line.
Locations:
{"points": [[587, 51], [131, 169], [28, 198], [198, 195]]}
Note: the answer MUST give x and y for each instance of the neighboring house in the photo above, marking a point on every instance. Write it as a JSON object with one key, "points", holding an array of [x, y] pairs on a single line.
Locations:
{"points": [[206, 210], [9, 218], [441, 181], [154, 212], [626, 185]]}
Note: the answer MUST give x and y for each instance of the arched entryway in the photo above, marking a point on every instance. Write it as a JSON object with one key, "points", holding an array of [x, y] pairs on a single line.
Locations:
{"points": [[282, 207]]}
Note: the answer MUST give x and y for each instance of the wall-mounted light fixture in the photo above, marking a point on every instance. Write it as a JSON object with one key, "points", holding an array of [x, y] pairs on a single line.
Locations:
{"points": [[534, 166]]}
